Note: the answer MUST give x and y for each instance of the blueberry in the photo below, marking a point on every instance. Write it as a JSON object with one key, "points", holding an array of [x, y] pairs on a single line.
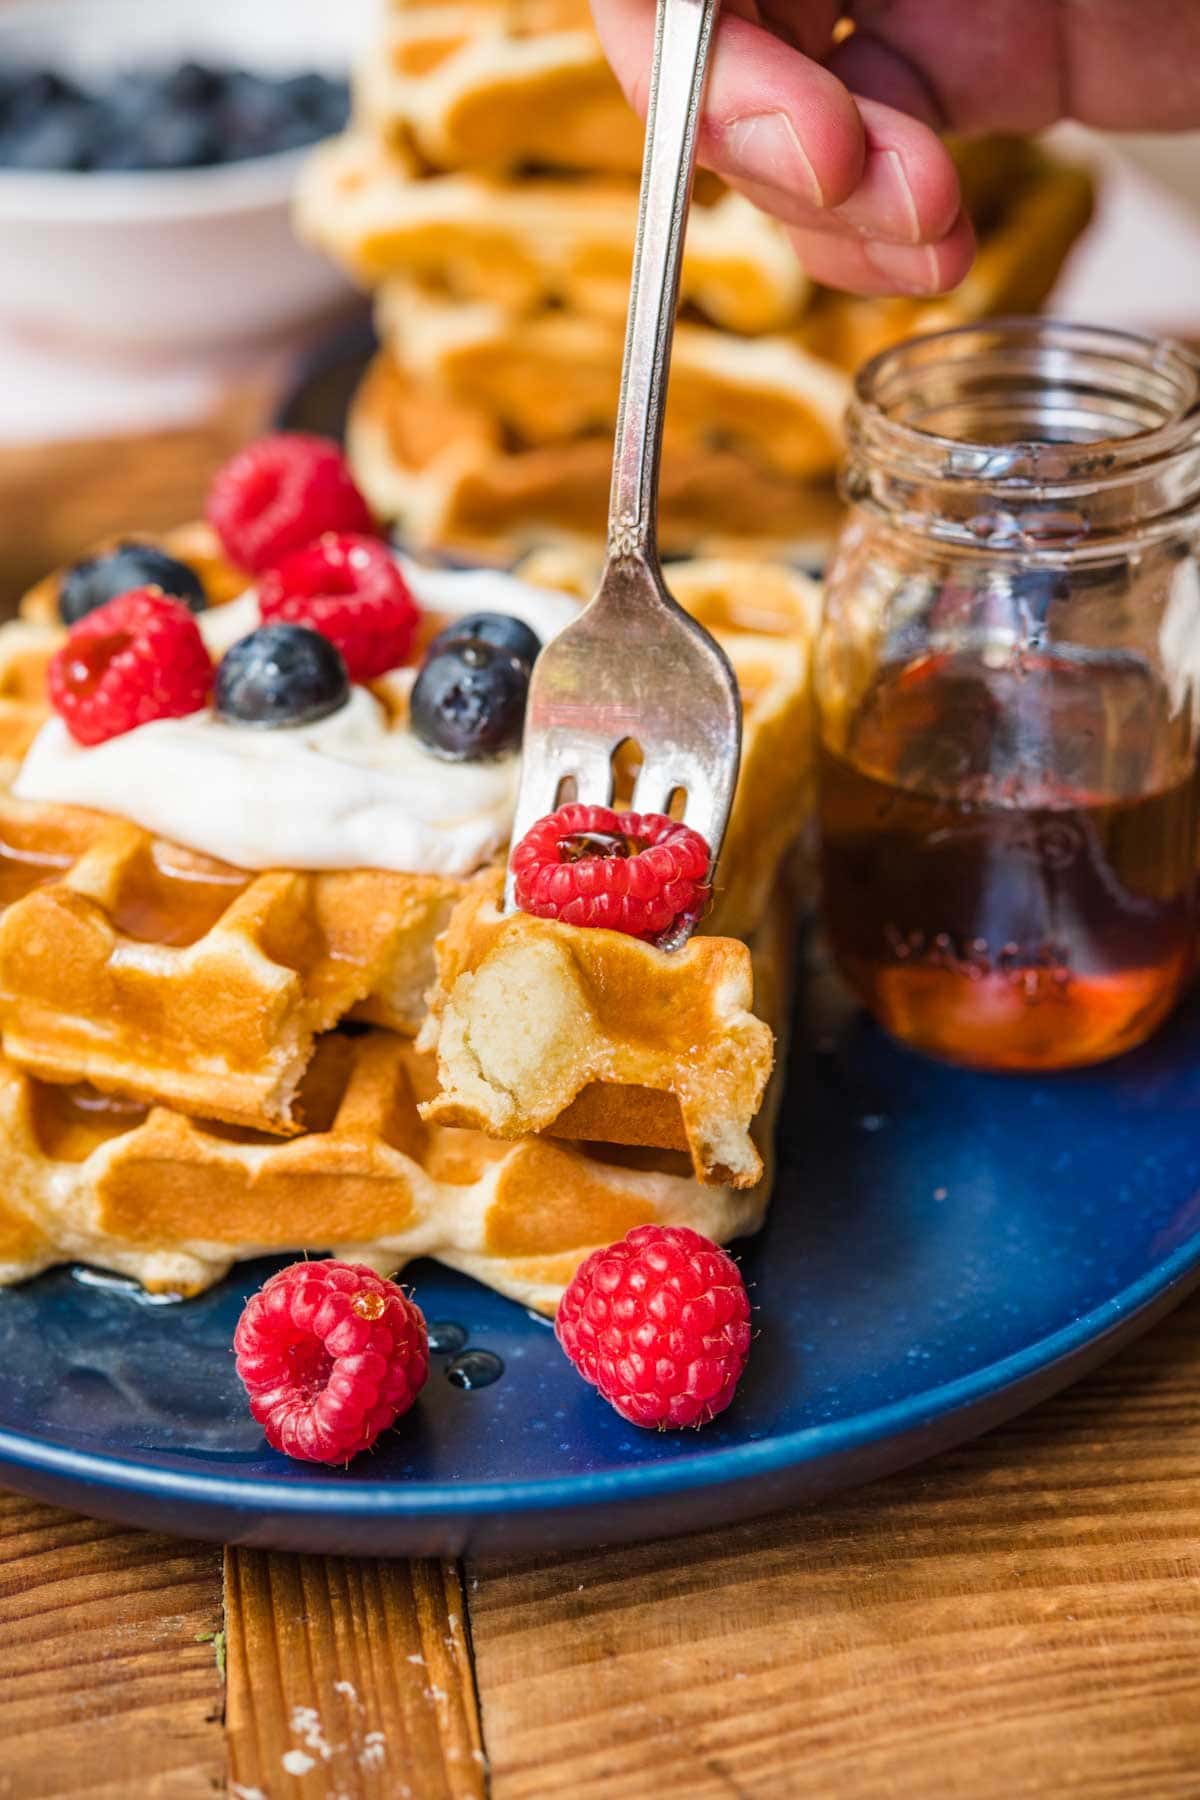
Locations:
{"points": [[183, 139], [193, 84], [130, 92], [468, 701], [281, 675], [157, 138], [88, 584], [255, 116], [32, 92], [46, 122], [65, 137], [318, 100], [12, 84], [498, 629]]}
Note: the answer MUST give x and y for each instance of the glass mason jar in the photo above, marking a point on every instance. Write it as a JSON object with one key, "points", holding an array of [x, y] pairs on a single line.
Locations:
{"points": [[1008, 682]]}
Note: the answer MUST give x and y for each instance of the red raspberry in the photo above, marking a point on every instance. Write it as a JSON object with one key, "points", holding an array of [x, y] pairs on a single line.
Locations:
{"points": [[330, 1354], [136, 658], [278, 494], [349, 589], [660, 1323], [640, 873]]}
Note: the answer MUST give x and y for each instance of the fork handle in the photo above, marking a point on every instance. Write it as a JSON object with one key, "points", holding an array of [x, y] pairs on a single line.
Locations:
{"points": [[683, 36]]}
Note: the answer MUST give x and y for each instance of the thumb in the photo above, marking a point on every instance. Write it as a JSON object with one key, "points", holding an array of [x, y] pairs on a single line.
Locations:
{"points": [[841, 173]]}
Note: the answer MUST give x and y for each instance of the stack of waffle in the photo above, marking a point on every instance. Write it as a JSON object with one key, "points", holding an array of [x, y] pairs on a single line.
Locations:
{"points": [[488, 192], [203, 1063]]}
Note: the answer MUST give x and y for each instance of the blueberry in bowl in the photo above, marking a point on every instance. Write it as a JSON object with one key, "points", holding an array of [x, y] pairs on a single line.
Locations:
{"points": [[280, 676], [166, 137], [189, 116]]}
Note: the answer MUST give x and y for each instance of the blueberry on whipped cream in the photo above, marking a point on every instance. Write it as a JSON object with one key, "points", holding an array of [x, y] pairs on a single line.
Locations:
{"points": [[95, 580], [502, 630], [281, 675], [354, 788], [468, 701]]}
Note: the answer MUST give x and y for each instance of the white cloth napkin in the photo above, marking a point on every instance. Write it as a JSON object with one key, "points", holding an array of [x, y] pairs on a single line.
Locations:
{"points": [[1138, 265], [52, 391]]}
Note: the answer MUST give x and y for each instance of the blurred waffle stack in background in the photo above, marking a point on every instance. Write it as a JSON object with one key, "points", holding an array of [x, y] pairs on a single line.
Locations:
{"points": [[487, 192]]}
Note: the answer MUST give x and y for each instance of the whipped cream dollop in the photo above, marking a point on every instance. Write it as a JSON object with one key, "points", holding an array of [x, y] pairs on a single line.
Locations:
{"points": [[352, 790]]}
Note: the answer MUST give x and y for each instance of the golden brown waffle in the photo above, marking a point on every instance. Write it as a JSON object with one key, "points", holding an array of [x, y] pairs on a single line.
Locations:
{"points": [[476, 85], [25, 651], [452, 477], [195, 544], [555, 376], [524, 242], [154, 972], [174, 1202], [495, 431], [544, 1027], [150, 970], [551, 375], [158, 973]]}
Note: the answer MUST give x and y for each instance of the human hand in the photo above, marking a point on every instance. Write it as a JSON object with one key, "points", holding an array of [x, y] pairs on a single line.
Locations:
{"points": [[839, 140]]}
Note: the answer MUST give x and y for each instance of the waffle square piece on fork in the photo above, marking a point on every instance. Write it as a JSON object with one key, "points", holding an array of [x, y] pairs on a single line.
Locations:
{"points": [[634, 667]]}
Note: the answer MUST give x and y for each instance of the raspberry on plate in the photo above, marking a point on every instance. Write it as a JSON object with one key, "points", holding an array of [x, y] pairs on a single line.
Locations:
{"points": [[640, 873], [349, 589], [331, 1355], [137, 658], [280, 493], [659, 1324]]}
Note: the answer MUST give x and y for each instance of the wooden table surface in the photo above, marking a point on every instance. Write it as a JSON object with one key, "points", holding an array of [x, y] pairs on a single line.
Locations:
{"points": [[1018, 1618]]}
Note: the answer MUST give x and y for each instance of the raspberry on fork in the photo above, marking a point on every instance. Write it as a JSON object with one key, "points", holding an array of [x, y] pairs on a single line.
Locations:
{"points": [[659, 1324], [349, 589], [281, 492], [137, 658], [640, 873], [331, 1355]]}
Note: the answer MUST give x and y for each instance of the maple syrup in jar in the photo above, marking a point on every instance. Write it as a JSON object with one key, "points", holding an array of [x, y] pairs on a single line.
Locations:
{"points": [[1008, 684]]}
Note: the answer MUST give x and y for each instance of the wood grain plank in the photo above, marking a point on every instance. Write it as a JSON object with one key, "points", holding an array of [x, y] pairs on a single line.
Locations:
{"points": [[349, 1679], [1019, 1618], [108, 1689], [69, 495]]}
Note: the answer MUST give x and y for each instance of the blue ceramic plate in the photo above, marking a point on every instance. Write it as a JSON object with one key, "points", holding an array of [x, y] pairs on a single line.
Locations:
{"points": [[944, 1249]]}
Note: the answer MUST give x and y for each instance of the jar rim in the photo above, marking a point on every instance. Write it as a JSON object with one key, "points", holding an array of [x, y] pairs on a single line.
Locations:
{"points": [[1169, 374]]}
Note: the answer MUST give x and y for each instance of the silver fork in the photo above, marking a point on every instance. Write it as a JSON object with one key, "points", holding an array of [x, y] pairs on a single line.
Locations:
{"points": [[634, 665]]}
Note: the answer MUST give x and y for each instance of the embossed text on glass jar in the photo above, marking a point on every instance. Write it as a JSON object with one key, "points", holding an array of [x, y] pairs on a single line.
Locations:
{"points": [[1009, 690]]}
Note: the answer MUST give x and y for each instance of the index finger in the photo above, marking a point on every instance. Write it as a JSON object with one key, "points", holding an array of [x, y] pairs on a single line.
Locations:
{"points": [[771, 115]]}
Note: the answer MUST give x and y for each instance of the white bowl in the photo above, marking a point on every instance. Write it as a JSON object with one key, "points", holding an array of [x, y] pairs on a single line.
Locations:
{"points": [[167, 259]]}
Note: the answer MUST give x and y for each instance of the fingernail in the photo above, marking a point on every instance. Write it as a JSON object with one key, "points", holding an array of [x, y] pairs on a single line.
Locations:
{"points": [[909, 268], [882, 205], [766, 149]]}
